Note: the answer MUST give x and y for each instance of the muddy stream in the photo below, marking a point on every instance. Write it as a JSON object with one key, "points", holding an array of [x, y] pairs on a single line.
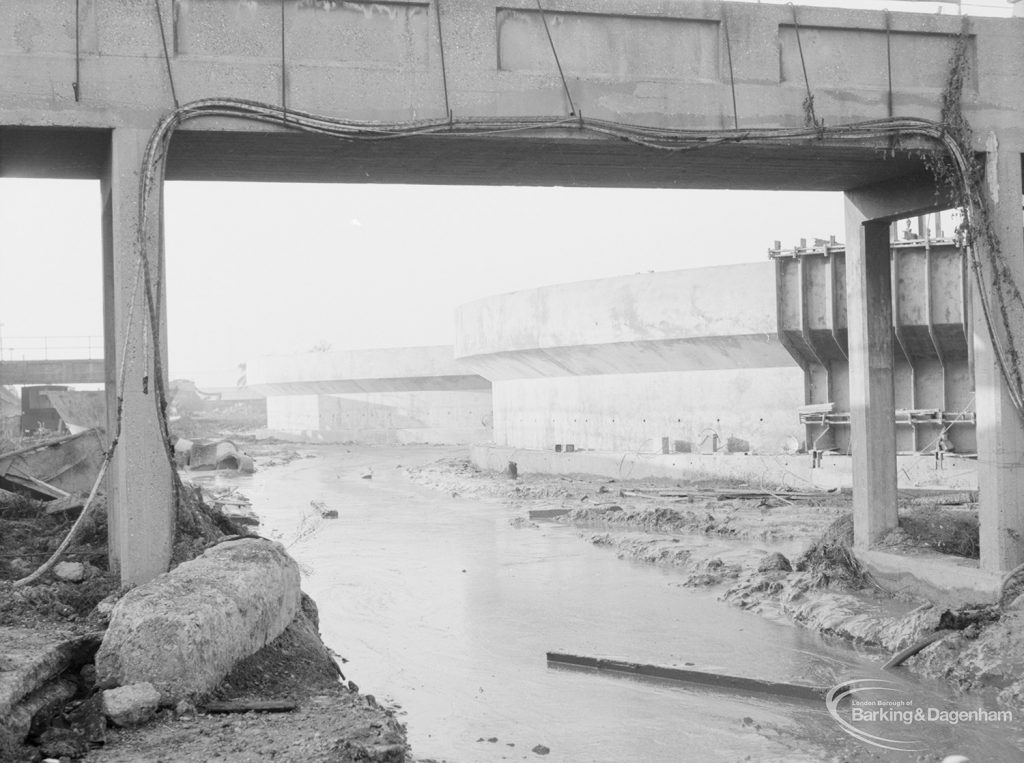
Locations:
{"points": [[444, 609]]}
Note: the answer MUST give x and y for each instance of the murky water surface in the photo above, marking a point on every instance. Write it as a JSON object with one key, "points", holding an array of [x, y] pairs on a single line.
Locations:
{"points": [[443, 608]]}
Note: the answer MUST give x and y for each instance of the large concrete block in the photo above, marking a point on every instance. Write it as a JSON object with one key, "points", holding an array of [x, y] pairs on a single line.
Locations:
{"points": [[184, 630]]}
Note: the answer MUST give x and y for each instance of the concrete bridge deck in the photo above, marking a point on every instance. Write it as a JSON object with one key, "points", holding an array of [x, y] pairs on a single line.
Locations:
{"points": [[380, 396], [393, 369], [638, 62], [687, 357], [80, 97]]}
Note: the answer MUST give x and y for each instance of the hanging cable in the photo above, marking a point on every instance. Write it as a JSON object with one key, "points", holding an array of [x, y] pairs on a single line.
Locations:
{"points": [[108, 456], [76, 86], [665, 139], [888, 55], [551, 42], [732, 78], [167, 55], [284, 88], [444, 71], [809, 117], [154, 165]]}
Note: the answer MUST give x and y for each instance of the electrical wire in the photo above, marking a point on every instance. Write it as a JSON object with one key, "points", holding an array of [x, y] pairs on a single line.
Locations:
{"points": [[108, 455], [444, 69], [167, 55], [153, 174], [666, 139]]}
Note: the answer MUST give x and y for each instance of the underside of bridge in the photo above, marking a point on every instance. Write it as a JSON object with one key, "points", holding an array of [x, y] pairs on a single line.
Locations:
{"points": [[559, 159], [654, 95]]}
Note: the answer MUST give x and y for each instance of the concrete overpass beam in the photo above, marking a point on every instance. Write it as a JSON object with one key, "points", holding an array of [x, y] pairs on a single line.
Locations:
{"points": [[872, 401], [1000, 432], [139, 496]]}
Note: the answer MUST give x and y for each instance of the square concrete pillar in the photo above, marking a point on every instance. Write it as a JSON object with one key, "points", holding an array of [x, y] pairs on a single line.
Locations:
{"points": [[139, 493], [872, 400], [1000, 432]]}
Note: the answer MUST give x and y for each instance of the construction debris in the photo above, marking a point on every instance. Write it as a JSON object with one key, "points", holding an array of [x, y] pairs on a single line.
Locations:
{"points": [[80, 410], [233, 504], [202, 455], [726, 495], [55, 469], [711, 679], [321, 508], [250, 706]]}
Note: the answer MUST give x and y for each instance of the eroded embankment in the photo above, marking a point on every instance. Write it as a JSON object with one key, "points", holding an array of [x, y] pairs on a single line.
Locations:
{"points": [[776, 553], [89, 670]]}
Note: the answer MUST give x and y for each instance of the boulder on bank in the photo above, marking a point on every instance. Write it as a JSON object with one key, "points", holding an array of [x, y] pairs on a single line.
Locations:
{"points": [[184, 630]]}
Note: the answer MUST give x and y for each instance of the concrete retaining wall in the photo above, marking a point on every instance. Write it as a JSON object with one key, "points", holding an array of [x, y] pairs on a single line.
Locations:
{"points": [[384, 417], [633, 412]]}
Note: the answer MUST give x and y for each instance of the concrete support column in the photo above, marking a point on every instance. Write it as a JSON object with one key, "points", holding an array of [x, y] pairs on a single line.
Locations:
{"points": [[139, 495], [872, 402], [1000, 433]]}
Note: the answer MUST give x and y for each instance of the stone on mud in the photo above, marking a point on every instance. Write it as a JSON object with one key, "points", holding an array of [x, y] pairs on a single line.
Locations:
{"points": [[70, 572], [131, 705], [184, 630], [774, 562]]}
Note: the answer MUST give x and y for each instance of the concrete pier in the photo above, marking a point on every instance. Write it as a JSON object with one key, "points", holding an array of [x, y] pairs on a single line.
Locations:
{"points": [[1000, 427], [139, 482], [872, 401]]}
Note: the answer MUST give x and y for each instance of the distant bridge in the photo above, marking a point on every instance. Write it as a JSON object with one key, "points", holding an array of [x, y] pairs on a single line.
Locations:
{"points": [[83, 371], [51, 360]]}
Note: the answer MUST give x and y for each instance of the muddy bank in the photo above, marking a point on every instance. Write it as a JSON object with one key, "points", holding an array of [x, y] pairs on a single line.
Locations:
{"points": [[330, 718], [756, 553]]}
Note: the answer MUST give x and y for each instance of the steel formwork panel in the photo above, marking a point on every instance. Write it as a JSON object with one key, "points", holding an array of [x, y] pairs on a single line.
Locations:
{"points": [[932, 379]]}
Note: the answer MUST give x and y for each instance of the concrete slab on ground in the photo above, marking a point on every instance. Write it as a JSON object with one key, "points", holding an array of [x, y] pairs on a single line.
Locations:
{"points": [[29, 659], [948, 580]]}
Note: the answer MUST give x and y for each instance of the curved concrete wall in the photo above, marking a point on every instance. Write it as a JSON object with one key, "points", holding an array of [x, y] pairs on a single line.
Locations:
{"points": [[621, 363], [683, 320]]}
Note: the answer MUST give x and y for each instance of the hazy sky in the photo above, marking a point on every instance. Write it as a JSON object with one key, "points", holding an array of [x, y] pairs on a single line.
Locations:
{"points": [[271, 268]]}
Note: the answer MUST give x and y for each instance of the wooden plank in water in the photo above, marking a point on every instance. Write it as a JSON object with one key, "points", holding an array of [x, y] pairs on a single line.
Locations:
{"points": [[251, 706], [547, 513], [741, 684]]}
